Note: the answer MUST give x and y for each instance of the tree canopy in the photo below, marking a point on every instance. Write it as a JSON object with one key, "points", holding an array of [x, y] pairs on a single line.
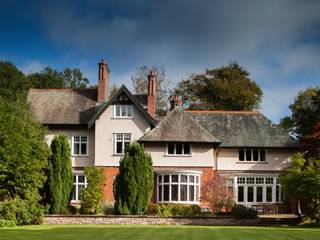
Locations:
{"points": [[23, 152], [225, 88], [133, 185], [305, 113], [140, 86]]}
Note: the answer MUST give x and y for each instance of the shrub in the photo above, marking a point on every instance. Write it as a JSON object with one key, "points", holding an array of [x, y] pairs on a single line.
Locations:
{"points": [[133, 186], [152, 209], [7, 223], [168, 210], [92, 195], [241, 211], [22, 212], [109, 209]]}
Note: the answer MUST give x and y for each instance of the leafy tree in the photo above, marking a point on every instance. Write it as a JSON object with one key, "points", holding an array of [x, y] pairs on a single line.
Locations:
{"points": [[13, 82], [60, 175], [92, 195], [305, 113], [74, 78], [225, 88], [134, 184], [140, 86], [302, 181], [216, 194], [23, 152], [310, 143], [47, 78]]}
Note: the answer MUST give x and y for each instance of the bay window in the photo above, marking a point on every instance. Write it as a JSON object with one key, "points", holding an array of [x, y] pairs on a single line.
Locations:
{"points": [[178, 188]]}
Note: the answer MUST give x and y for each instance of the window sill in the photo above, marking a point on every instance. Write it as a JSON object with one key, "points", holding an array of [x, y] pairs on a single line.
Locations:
{"points": [[176, 155], [72, 155], [251, 162], [118, 154], [121, 117]]}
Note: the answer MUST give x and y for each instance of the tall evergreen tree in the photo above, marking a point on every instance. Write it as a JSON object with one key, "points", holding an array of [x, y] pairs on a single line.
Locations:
{"points": [[134, 184], [60, 174]]}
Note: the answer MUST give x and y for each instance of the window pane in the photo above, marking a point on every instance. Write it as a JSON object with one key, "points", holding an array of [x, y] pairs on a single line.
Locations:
{"points": [[80, 187], [127, 137], [118, 111], [123, 110], [250, 180], [179, 148], [240, 194], [76, 138], [83, 148], [166, 193], [197, 179], [250, 194], [269, 180], [183, 192], [74, 193], [170, 148], [160, 179], [278, 195], [269, 194], [259, 180], [241, 180], [255, 155], [259, 194], [187, 148], [174, 178], [130, 111], [248, 155], [174, 192], [160, 193], [191, 193], [119, 147], [197, 193], [262, 155], [241, 155], [191, 179], [166, 178], [126, 144], [84, 138], [81, 178], [183, 178], [76, 149]]}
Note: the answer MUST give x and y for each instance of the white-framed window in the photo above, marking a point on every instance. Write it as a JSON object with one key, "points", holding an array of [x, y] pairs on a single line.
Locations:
{"points": [[79, 182], [80, 145], [252, 155], [180, 149], [257, 189], [178, 188], [121, 140], [123, 111]]}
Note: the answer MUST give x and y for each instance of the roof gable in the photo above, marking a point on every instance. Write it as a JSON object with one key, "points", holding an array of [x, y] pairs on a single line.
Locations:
{"points": [[177, 126], [132, 98]]}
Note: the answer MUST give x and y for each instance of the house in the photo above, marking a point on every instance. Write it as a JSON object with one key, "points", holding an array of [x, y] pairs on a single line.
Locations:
{"points": [[187, 147]]}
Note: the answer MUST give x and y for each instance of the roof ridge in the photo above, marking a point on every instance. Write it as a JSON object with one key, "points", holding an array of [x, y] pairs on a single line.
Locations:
{"points": [[223, 111], [61, 89]]}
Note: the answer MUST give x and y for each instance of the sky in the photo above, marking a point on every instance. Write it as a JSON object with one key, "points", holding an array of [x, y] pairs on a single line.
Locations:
{"points": [[278, 42]]}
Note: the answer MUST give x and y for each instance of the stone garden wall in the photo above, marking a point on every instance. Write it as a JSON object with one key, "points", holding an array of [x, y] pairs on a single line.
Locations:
{"points": [[148, 220]]}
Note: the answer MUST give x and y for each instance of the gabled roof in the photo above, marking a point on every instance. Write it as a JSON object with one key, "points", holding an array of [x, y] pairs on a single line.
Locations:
{"points": [[178, 126], [134, 100], [243, 129], [62, 106]]}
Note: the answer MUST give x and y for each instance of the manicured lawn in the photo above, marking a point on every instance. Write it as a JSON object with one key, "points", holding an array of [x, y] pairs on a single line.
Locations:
{"points": [[109, 232]]}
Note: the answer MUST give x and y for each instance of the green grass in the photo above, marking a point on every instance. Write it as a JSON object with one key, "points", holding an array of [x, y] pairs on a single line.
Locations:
{"points": [[127, 232]]}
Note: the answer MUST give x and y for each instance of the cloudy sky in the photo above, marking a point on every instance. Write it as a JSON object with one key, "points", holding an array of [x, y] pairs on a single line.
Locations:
{"points": [[278, 42]]}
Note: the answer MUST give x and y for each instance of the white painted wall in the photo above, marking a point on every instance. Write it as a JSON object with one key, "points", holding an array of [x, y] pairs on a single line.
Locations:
{"points": [[77, 161], [276, 159], [202, 156], [105, 128]]}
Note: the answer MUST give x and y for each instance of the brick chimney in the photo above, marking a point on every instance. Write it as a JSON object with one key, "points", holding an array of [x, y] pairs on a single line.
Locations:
{"points": [[103, 81], [175, 101], [152, 91]]}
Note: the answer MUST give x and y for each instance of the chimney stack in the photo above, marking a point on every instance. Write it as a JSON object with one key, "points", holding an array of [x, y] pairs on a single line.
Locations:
{"points": [[103, 81], [152, 92], [175, 101]]}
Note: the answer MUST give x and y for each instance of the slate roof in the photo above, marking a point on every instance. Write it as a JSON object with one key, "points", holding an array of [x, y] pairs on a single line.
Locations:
{"points": [[178, 126], [243, 129], [62, 106], [230, 128]]}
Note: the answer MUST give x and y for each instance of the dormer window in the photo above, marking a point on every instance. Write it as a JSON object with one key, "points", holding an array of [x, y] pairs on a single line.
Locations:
{"points": [[178, 149], [123, 111]]}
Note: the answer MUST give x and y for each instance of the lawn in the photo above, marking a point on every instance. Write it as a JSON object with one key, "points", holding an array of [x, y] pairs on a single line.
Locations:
{"points": [[118, 232]]}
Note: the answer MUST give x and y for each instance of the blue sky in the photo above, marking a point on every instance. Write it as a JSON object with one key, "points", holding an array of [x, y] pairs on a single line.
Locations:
{"points": [[278, 42]]}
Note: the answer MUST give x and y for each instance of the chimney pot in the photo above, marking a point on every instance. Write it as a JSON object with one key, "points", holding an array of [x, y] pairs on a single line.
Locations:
{"points": [[103, 80]]}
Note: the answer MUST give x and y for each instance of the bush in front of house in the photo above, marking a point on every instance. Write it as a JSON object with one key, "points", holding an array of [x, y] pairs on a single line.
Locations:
{"points": [[21, 212], [169, 210], [92, 195], [133, 186], [242, 211], [7, 223]]}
